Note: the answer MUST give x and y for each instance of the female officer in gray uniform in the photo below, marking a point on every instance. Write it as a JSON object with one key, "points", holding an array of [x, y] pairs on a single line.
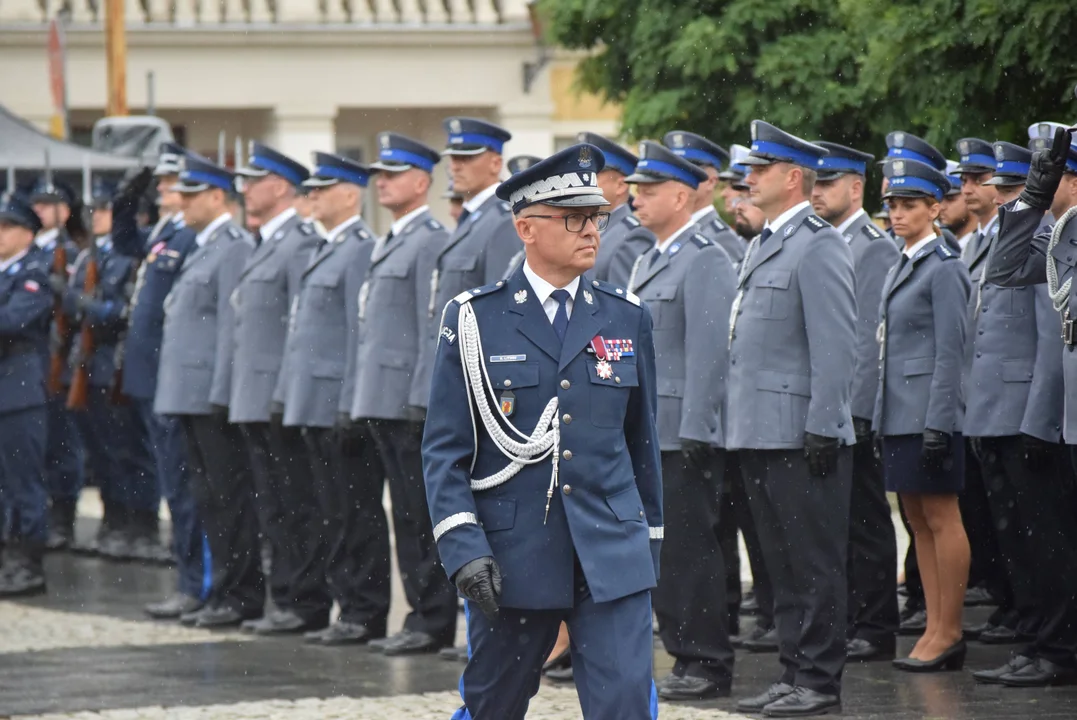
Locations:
{"points": [[919, 408]]}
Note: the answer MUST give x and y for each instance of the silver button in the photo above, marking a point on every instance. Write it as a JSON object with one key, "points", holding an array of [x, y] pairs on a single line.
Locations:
{"points": [[616, 379], [500, 283], [565, 384], [567, 454], [595, 283], [566, 418], [641, 513], [620, 291], [508, 382], [567, 489]]}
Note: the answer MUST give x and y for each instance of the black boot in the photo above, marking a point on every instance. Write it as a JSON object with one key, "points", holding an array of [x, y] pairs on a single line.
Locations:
{"points": [[144, 539], [61, 524], [114, 537], [22, 573]]}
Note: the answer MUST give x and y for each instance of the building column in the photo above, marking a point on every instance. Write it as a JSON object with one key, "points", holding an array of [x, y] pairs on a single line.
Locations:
{"points": [[297, 132]]}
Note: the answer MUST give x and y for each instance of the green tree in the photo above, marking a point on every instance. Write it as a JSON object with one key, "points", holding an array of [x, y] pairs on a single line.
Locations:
{"points": [[847, 71]]}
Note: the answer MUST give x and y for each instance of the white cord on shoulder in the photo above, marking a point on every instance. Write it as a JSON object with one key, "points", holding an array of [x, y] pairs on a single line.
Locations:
{"points": [[1059, 295], [543, 442]]}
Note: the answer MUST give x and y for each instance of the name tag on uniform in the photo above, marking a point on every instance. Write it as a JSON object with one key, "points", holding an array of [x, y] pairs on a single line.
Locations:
{"points": [[507, 358]]}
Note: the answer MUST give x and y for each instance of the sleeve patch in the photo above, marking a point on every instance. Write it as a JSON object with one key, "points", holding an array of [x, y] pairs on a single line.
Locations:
{"points": [[448, 333], [617, 291]]}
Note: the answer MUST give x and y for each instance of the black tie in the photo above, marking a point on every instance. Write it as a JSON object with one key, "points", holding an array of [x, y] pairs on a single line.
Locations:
{"points": [[463, 217], [560, 318], [767, 232], [655, 254], [389, 236]]}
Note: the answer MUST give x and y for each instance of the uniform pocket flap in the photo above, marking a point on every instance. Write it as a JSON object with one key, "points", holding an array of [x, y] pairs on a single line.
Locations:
{"points": [[400, 272], [514, 375], [460, 263], [497, 514], [325, 281], [626, 505], [773, 279], [398, 360], [624, 375], [328, 369], [783, 383], [668, 387], [919, 366], [1016, 371], [667, 292]]}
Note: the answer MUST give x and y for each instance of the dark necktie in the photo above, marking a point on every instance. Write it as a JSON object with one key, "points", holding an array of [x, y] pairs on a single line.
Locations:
{"points": [[655, 254], [389, 236], [560, 318], [767, 232], [463, 217]]}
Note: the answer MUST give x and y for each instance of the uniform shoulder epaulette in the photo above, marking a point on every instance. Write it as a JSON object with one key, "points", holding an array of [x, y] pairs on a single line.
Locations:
{"points": [[700, 241], [233, 232], [616, 291], [306, 228], [469, 295], [816, 223], [718, 224], [361, 232], [872, 232], [434, 224], [943, 250], [631, 221]]}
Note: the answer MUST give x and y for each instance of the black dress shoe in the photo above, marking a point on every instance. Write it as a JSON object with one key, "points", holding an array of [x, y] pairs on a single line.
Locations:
{"points": [[773, 693], [973, 632], [952, 658], [414, 643], [674, 687], [282, 622], [916, 624], [455, 654], [803, 702], [864, 651], [1040, 673], [977, 596], [21, 581], [190, 619], [994, 677], [563, 660], [749, 605], [1003, 636], [902, 590], [561, 675], [380, 644], [341, 633], [173, 607], [219, 617], [765, 643]]}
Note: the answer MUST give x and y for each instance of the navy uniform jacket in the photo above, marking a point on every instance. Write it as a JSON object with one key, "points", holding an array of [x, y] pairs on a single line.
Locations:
{"points": [[25, 315], [195, 371], [689, 291], [923, 321], [392, 319], [623, 240], [162, 252], [792, 350], [608, 506], [872, 260], [107, 312], [478, 252], [1019, 257], [322, 329], [714, 229]]}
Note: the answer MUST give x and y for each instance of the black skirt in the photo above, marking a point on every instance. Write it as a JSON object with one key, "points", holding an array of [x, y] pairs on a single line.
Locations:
{"points": [[905, 471]]}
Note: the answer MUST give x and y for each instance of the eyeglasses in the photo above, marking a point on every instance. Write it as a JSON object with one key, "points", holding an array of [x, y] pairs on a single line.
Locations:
{"points": [[575, 222]]}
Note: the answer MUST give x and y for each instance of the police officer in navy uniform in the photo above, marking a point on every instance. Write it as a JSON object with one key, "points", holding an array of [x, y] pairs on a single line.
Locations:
{"points": [[1026, 253], [194, 383], [711, 157], [624, 239], [688, 283], [838, 198], [393, 303], [162, 249], [55, 204], [25, 306], [792, 359], [483, 246], [262, 299], [544, 483], [351, 533]]}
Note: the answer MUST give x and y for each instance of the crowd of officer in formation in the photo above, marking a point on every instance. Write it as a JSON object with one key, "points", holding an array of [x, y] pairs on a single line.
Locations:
{"points": [[265, 377]]}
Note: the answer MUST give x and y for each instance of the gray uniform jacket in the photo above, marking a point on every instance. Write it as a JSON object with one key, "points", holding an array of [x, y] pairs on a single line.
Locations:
{"points": [[195, 370], [1019, 257], [322, 329], [392, 317], [623, 240], [262, 301], [975, 258], [872, 260], [793, 341], [479, 252], [712, 227], [922, 328], [689, 291]]}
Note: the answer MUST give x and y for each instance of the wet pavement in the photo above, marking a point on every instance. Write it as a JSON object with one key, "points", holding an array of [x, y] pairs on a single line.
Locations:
{"points": [[86, 651]]}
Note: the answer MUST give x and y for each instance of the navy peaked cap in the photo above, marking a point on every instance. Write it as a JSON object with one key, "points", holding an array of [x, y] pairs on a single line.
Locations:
{"points": [[331, 169], [263, 160], [841, 160], [472, 136], [200, 174], [771, 145], [1012, 163], [912, 178], [977, 156], [565, 179], [617, 158], [397, 153], [696, 149], [16, 210], [902, 145], [657, 163], [522, 162]]}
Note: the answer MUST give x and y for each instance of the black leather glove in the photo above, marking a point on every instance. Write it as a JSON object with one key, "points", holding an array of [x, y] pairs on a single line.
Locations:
{"points": [[936, 449], [1046, 172], [821, 453], [480, 582], [862, 429], [134, 188], [1039, 454], [696, 452]]}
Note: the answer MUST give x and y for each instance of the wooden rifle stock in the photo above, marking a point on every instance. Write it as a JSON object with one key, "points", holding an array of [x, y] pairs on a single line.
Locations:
{"points": [[57, 354], [78, 394]]}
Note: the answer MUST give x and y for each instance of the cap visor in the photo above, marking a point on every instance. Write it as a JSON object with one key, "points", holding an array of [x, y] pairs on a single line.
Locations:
{"points": [[1006, 180], [465, 150], [906, 192], [757, 160], [646, 179], [577, 201], [166, 170], [319, 182], [391, 167], [189, 189], [251, 172], [973, 169], [14, 219], [828, 175]]}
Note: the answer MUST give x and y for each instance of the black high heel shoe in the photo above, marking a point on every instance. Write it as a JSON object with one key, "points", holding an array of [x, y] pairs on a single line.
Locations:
{"points": [[952, 658]]}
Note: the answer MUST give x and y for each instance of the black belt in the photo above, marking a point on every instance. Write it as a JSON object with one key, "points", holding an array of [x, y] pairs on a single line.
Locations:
{"points": [[11, 349]]}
